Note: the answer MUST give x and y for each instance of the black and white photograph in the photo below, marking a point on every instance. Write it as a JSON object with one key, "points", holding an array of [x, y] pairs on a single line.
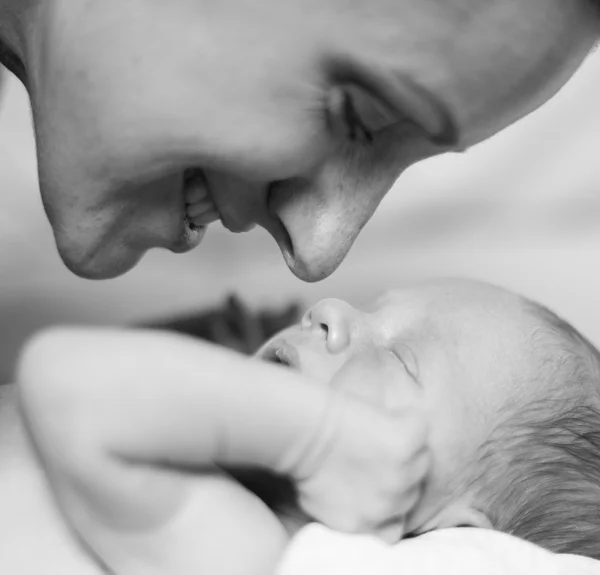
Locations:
{"points": [[297, 287]]}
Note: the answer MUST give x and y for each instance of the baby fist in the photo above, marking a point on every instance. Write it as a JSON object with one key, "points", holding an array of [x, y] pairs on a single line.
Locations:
{"points": [[365, 469]]}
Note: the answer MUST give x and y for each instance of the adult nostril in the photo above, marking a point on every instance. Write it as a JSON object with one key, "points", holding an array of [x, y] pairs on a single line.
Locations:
{"points": [[281, 191], [279, 229]]}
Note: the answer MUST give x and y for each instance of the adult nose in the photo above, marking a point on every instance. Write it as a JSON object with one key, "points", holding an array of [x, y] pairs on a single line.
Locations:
{"points": [[322, 217], [313, 221], [334, 320], [324, 211]]}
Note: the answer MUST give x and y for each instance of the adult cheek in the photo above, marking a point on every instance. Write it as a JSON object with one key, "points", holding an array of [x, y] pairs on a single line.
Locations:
{"points": [[324, 212]]}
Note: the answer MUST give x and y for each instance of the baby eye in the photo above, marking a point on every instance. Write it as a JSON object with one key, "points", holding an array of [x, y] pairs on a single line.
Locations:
{"points": [[408, 360], [365, 115]]}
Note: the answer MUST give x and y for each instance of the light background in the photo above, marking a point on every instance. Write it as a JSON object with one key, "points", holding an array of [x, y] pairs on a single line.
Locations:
{"points": [[521, 210]]}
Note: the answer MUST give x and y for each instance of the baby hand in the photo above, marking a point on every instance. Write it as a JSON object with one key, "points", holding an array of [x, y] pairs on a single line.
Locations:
{"points": [[364, 471]]}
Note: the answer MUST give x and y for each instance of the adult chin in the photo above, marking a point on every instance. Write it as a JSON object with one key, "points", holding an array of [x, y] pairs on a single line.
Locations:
{"points": [[109, 259], [108, 230], [107, 262]]}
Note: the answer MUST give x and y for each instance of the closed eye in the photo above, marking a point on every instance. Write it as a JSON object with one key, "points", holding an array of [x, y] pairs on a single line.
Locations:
{"points": [[360, 114], [408, 360], [354, 123]]}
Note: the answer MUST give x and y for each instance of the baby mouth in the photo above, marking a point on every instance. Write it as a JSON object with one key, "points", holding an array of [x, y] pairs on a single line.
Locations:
{"points": [[200, 210], [281, 353]]}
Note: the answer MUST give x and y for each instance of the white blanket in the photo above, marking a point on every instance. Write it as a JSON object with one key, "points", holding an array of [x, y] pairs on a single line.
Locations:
{"points": [[319, 551]]}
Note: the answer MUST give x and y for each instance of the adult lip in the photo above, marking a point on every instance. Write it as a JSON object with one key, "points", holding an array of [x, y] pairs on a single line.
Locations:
{"points": [[235, 225], [232, 219], [189, 238], [275, 226]]}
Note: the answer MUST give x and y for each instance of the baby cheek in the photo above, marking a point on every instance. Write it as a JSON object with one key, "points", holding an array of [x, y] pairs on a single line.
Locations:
{"points": [[363, 379], [379, 379], [320, 366]]}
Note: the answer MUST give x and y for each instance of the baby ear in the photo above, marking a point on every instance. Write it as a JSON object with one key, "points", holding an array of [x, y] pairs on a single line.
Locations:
{"points": [[460, 515]]}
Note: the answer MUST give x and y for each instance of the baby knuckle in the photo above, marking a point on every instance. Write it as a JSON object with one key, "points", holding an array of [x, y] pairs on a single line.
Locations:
{"points": [[411, 496], [383, 511], [405, 470], [420, 429], [352, 523], [406, 504], [392, 481], [413, 423]]}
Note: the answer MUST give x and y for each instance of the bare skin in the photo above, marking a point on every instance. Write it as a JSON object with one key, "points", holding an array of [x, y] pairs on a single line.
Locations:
{"points": [[449, 347], [187, 412], [296, 116], [35, 537], [446, 351]]}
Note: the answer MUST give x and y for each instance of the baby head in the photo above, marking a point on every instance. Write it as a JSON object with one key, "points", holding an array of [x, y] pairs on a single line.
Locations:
{"points": [[511, 392]]}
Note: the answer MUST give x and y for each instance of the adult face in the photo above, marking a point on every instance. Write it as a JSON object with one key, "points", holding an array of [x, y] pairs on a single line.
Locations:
{"points": [[300, 115]]}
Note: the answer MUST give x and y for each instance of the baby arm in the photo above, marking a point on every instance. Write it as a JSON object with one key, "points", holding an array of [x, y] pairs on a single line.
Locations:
{"points": [[130, 427], [126, 423]]}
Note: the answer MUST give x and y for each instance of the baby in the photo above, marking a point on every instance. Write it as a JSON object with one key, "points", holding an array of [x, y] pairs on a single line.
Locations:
{"points": [[511, 393], [448, 404]]}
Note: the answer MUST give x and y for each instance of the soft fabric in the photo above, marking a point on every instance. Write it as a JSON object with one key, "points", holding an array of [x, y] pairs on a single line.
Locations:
{"points": [[317, 550]]}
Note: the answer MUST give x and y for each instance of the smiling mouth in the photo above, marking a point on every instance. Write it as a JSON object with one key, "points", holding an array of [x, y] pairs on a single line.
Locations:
{"points": [[235, 222]]}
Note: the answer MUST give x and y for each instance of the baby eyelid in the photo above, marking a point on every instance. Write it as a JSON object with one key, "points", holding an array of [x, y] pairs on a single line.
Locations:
{"points": [[408, 359]]}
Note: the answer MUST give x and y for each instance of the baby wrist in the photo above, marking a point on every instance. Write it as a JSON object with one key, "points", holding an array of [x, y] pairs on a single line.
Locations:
{"points": [[305, 457]]}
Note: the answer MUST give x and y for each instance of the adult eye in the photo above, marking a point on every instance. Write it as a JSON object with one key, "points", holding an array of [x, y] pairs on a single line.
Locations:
{"points": [[360, 114], [357, 129]]}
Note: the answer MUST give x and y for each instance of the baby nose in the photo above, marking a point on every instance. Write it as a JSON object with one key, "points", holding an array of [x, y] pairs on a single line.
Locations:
{"points": [[332, 319]]}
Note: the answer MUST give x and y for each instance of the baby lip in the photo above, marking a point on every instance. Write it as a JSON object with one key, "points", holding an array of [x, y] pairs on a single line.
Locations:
{"points": [[281, 352]]}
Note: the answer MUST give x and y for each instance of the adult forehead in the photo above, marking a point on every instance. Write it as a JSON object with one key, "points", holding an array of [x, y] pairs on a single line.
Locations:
{"points": [[490, 61]]}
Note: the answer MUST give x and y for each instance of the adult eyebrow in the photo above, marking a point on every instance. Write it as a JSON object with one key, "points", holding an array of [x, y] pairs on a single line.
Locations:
{"points": [[404, 96]]}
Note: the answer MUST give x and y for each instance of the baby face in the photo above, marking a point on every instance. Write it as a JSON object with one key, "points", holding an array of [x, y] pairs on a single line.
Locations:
{"points": [[456, 351], [264, 98]]}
